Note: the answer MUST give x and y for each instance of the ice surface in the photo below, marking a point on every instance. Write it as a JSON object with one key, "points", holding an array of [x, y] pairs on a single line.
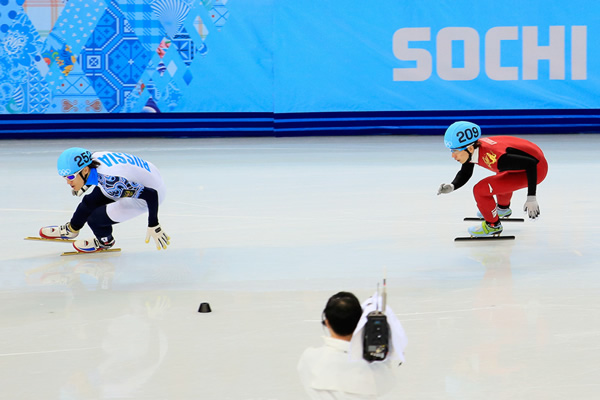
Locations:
{"points": [[265, 230]]}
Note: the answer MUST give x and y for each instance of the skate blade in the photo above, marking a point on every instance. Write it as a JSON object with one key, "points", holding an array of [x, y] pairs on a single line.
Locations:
{"points": [[76, 253], [507, 219], [49, 240], [482, 238]]}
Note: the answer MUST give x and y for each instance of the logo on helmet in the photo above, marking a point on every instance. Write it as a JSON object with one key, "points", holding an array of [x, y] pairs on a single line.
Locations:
{"points": [[64, 172]]}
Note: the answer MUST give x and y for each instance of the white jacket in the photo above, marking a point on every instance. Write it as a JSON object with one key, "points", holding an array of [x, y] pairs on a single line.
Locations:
{"points": [[329, 373]]}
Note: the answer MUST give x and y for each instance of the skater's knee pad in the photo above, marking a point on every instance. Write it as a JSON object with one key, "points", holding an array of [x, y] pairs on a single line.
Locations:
{"points": [[100, 223], [482, 188]]}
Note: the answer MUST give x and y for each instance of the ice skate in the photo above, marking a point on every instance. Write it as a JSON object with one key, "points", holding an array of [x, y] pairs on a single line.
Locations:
{"points": [[502, 213], [93, 245], [58, 232], [485, 230]]}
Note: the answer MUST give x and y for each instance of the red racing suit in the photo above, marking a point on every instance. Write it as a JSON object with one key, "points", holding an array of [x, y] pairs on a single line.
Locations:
{"points": [[517, 162]]}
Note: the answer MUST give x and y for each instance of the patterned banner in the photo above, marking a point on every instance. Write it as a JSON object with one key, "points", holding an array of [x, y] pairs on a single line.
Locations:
{"points": [[282, 56]]}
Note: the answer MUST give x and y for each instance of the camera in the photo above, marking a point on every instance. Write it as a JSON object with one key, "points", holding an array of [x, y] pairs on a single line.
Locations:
{"points": [[376, 337]]}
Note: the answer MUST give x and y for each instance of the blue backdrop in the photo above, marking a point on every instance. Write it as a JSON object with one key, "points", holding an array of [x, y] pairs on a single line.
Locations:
{"points": [[119, 56], [436, 55]]}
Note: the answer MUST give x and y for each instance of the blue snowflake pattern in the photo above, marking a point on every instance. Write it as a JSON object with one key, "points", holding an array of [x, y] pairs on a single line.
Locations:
{"points": [[6, 91], [19, 45], [118, 187]]}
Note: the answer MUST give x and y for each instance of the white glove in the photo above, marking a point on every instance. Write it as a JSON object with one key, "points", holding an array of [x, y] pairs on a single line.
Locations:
{"points": [[445, 188], [160, 237], [532, 207]]}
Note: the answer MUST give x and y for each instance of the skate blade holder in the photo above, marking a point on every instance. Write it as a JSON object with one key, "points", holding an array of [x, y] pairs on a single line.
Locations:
{"points": [[482, 238]]}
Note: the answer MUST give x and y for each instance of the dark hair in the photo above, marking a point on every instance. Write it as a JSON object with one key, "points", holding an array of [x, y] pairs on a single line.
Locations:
{"points": [[343, 311], [94, 164]]}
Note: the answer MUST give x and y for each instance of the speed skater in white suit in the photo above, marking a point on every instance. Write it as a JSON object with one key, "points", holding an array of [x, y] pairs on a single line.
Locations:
{"points": [[118, 187]]}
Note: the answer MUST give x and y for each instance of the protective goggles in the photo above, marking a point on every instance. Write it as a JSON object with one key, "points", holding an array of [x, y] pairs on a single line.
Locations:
{"points": [[459, 149], [72, 176]]}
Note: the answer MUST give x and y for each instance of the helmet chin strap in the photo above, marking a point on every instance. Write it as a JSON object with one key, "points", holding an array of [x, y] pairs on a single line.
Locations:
{"points": [[85, 187], [470, 155]]}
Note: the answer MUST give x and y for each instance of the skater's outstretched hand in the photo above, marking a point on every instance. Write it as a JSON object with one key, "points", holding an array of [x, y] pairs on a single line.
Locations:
{"points": [[532, 207], [160, 237], [445, 188]]}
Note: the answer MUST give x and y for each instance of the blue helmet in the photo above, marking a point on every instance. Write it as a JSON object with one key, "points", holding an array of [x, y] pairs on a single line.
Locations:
{"points": [[461, 135], [73, 160]]}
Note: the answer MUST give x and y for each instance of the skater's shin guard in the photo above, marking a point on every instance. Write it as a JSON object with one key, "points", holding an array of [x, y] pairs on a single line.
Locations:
{"points": [[485, 201], [101, 224]]}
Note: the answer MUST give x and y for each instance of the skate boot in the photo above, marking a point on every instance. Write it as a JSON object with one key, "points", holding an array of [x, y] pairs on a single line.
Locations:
{"points": [[485, 229], [93, 245], [59, 232], [502, 212]]}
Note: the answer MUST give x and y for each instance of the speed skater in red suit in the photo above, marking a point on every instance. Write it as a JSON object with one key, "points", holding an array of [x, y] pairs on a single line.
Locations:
{"points": [[517, 164]]}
